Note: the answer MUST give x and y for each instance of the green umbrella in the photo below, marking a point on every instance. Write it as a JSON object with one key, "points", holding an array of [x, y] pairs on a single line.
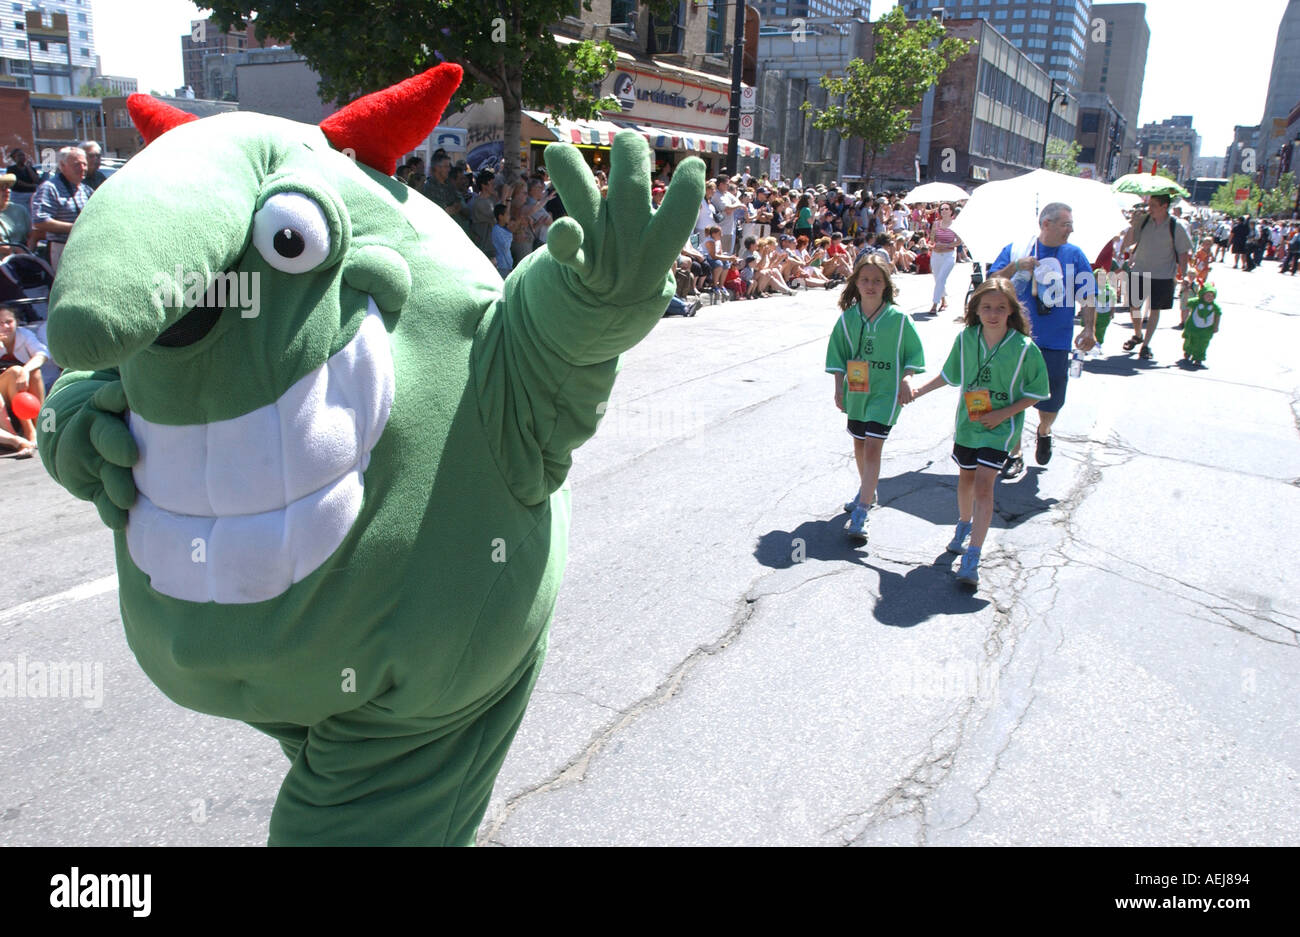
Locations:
{"points": [[1145, 183]]}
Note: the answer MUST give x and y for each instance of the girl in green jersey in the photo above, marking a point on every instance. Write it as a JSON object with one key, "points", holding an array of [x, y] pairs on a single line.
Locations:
{"points": [[873, 352], [1001, 373]]}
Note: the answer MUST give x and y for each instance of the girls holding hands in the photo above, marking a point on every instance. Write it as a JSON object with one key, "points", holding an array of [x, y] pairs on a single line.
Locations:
{"points": [[873, 352], [1001, 374]]}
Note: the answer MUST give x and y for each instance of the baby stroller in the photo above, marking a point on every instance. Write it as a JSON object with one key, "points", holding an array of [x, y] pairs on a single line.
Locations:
{"points": [[25, 281]]}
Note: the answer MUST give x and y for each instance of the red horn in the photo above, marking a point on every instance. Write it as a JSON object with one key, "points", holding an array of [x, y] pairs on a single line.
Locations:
{"points": [[382, 126], [153, 118]]}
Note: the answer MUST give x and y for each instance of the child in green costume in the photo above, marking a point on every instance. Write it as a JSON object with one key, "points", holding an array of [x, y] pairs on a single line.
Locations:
{"points": [[1106, 298], [873, 352], [338, 499], [1203, 314]]}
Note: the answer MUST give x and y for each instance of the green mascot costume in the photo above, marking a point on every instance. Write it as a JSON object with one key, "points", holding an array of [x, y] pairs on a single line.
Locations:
{"points": [[1203, 314], [332, 444]]}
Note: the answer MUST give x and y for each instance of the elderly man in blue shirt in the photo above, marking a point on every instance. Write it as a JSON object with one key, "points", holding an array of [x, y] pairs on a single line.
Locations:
{"points": [[1051, 275], [58, 201]]}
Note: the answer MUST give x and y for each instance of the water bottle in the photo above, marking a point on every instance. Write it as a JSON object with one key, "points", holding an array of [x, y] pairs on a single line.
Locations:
{"points": [[1076, 363]]}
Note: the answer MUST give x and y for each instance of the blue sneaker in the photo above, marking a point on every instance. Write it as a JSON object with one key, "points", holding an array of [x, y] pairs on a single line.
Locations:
{"points": [[969, 572], [851, 505], [958, 542], [858, 524]]}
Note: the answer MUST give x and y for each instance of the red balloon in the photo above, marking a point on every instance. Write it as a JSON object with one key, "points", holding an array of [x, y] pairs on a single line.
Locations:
{"points": [[25, 406]]}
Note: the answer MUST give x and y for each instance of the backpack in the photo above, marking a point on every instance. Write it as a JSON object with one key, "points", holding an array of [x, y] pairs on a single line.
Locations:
{"points": [[1145, 219]]}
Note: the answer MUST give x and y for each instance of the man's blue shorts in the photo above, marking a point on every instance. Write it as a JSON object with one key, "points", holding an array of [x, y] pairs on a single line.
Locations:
{"points": [[1058, 373]]}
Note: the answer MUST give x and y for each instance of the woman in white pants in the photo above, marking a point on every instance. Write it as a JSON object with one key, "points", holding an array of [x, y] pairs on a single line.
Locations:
{"points": [[943, 256]]}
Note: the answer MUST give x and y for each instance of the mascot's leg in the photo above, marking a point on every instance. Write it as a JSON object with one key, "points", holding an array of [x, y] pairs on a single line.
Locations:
{"points": [[367, 777]]}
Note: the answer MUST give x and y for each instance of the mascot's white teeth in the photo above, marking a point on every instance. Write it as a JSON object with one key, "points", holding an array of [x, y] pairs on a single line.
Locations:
{"points": [[239, 510]]}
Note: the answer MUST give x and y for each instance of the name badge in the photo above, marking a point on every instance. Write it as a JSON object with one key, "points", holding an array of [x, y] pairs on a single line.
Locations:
{"points": [[855, 372], [977, 402]]}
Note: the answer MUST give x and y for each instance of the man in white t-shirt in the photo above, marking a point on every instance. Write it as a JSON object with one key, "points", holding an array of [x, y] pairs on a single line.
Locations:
{"points": [[725, 203]]}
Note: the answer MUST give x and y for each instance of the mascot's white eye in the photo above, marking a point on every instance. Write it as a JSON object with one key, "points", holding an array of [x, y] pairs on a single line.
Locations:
{"points": [[291, 233]]}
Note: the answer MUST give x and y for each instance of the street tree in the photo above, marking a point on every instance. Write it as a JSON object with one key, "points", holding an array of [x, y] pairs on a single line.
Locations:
{"points": [[1062, 156], [507, 48], [873, 100], [1224, 198], [1279, 201]]}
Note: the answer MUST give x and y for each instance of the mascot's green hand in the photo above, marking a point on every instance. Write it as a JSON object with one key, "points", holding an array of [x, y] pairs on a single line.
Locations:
{"points": [[606, 269], [86, 445]]}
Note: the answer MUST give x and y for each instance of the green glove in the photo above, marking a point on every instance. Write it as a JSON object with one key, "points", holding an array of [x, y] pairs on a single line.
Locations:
{"points": [[546, 355], [87, 447], [605, 280]]}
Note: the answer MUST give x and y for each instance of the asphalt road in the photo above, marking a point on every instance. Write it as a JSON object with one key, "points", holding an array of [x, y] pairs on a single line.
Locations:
{"points": [[725, 668]]}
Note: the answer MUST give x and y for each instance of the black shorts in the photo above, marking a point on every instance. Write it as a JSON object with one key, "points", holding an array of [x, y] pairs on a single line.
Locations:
{"points": [[1141, 287], [1058, 376], [969, 459], [860, 429]]}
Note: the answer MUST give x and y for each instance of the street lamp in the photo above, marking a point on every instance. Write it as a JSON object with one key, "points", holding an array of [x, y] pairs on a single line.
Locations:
{"points": [[1047, 121]]}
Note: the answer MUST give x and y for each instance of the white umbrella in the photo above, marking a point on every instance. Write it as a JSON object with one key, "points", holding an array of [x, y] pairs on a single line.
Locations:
{"points": [[1006, 212], [1127, 200], [936, 192]]}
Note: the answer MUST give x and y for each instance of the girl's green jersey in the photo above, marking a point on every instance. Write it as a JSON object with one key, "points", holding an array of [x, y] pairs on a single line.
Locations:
{"points": [[890, 344], [1011, 370]]}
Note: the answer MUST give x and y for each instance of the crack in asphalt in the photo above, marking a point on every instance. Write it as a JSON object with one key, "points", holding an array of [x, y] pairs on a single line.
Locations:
{"points": [[1231, 605], [911, 795], [1010, 623], [574, 772]]}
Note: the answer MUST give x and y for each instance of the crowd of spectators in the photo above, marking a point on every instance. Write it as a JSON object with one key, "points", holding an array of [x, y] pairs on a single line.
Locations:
{"points": [[508, 221], [756, 237]]}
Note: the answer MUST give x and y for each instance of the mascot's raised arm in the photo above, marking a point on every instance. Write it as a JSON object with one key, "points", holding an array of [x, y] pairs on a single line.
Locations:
{"points": [[338, 493]]}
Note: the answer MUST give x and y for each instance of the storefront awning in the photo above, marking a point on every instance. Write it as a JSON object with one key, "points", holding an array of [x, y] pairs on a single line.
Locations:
{"points": [[597, 132], [693, 142], [601, 133]]}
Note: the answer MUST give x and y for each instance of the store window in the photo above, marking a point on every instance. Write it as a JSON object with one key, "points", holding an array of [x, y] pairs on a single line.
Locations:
{"points": [[715, 42]]}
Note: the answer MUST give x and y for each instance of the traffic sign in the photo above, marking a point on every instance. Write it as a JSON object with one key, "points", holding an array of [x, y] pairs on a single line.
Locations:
{"points": [[746, 123], [748, 99]]}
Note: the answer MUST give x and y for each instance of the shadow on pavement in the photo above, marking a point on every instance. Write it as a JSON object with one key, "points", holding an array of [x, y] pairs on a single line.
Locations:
{"points": [[923, 592], [933, 498], [819, 540], [1018, 500], [1118, 363]]}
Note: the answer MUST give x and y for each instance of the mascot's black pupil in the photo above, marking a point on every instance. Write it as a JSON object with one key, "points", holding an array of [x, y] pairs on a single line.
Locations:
{"points": [[289, 243]]}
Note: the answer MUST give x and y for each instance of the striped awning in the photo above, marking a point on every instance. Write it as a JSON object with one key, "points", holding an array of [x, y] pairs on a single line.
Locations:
{"points": [[601, 133], [595, 132], [693, 142]]}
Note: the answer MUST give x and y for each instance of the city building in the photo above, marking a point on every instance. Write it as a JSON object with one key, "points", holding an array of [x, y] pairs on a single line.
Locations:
{"points": [[987, 119], [1172, 143], [1052, 33], [672, 80], [41, 44], [116, 85], [1283, 92], [221, 80], [1241, 156], [1116, 61], [205, 39], [1208, 166], [1100, 136], [122, 140], [790, 67], [771, 10]]}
